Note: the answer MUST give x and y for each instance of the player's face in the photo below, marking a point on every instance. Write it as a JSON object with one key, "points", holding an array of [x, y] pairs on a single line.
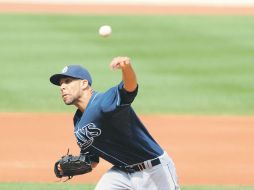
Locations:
{"points": [[70, 90]]}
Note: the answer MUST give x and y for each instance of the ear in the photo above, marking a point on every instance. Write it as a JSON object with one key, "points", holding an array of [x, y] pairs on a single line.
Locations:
{"points": [[84, 84]]}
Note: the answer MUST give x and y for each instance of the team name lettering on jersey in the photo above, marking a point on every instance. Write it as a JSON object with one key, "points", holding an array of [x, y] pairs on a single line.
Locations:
{"points": [[85, 135]]}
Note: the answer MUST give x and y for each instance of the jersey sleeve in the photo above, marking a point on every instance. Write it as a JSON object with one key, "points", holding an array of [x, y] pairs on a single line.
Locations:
{"points": [[93, 157], [126, 97], [117, 97]]}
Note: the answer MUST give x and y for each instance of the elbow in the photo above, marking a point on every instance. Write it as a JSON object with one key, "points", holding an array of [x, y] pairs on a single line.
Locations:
{"points": [[130, 88]]}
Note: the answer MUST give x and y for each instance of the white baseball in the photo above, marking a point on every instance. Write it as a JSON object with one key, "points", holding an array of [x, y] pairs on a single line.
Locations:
{"points": [[105, 30]]}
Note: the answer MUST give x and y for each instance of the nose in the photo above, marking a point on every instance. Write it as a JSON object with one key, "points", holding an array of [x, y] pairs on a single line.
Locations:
{"points": [[62, 86]]}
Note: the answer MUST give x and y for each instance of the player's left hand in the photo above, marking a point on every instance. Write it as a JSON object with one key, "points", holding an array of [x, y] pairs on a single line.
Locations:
{"points": [[120, 63], [69, 166]]}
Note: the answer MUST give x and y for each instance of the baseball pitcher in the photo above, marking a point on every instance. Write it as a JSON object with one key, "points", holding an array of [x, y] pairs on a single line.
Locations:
{"points": [[106, 126]]}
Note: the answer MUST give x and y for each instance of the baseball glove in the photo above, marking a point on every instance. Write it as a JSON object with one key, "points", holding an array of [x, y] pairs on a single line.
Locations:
{"points": [[72, 165]]}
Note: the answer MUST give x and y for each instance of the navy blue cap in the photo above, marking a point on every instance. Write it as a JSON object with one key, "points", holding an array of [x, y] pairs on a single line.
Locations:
{"points": [[74, 71]]}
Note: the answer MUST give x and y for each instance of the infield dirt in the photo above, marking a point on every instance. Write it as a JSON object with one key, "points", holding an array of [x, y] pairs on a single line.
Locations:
{"points": [[206, 150], [123, 9]]}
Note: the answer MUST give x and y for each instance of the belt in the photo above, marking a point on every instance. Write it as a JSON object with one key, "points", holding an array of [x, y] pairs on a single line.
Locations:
{"points": [[139, 167]]}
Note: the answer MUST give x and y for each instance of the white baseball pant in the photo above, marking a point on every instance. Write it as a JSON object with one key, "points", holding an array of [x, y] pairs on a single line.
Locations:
{"points": [[159, 177]]}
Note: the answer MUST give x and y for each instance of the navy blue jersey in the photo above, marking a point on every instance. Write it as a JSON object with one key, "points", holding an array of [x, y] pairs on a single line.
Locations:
{"points": [[110, 129]]}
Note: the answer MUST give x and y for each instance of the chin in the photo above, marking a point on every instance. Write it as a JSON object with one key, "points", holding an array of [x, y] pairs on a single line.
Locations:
{"points": [[68, 102]]}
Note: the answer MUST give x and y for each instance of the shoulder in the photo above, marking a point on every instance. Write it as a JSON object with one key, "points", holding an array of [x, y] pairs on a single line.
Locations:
{"points": [[109, 94]]}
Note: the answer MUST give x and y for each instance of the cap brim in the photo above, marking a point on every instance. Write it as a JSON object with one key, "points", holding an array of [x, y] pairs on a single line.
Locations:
{"points": [[55, 79]]}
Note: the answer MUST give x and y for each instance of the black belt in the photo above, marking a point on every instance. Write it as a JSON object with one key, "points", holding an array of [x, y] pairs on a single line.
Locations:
{"points": [[138, 167]]}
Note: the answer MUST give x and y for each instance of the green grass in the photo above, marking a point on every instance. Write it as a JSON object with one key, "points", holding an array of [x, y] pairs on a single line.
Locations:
{"points": [[217, 188], [185, 64], [66, 186], [44, 186]]}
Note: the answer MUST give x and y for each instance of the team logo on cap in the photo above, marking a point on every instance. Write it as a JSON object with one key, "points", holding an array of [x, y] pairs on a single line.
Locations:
{"points": [[65, 69]]}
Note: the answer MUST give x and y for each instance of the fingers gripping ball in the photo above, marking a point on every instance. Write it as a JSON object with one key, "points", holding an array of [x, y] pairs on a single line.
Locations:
{"points": [[72, 165], [105, 31]]}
